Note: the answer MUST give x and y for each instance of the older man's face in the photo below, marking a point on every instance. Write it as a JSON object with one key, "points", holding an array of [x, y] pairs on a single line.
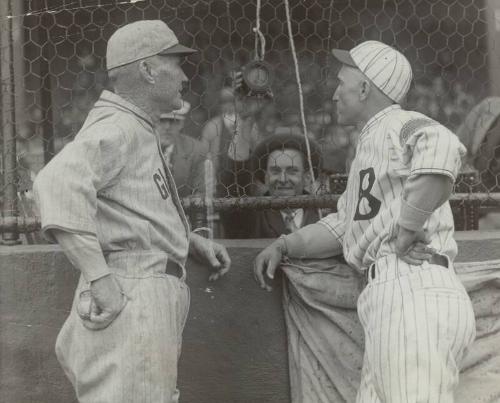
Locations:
{"points": [[169, 79], [285, 173]]}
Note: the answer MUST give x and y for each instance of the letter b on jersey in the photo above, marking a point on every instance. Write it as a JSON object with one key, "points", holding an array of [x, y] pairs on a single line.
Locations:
{"points": [[371, 205]]}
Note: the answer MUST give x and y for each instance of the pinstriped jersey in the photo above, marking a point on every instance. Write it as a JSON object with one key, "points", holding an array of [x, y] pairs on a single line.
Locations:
{"points": [[393, 145], [111, 181]]}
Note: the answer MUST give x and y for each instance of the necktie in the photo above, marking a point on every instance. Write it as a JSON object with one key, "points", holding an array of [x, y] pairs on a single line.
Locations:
{"points": [[289, 221]]}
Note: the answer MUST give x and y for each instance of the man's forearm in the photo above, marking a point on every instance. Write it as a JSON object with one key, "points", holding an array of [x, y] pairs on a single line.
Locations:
{"points": [[423, 194], [311, 241], [84, 252]]}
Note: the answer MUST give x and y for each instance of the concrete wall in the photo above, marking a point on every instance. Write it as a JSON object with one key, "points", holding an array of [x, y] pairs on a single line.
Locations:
{"points": [[234, 347]]}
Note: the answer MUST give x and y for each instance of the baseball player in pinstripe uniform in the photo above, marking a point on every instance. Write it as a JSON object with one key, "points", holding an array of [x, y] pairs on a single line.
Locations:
{"points": [[108, 198], [394, 223]]}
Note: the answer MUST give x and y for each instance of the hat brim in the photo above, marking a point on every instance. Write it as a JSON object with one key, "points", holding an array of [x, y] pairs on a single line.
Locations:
{"points": [[344, 57], [177, 50]]}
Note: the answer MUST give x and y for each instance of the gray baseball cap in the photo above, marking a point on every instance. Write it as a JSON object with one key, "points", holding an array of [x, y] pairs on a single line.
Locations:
{"points": [[142, 39]]}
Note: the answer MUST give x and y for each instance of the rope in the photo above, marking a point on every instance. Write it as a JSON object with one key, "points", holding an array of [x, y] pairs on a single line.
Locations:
{"points": [[301, 95], [259, 36]]}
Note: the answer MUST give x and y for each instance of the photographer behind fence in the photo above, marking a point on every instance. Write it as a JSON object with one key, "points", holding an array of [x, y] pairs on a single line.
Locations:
{"points": [[109, 199], [280, 162], [231, 137]]}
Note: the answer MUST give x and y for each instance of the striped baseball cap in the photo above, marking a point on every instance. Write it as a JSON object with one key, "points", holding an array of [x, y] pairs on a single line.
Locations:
{"points": [[387, 68]]}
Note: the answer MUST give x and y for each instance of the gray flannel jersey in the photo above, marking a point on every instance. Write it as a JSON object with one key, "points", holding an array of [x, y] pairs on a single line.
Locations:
{"points": [[111, 182]]}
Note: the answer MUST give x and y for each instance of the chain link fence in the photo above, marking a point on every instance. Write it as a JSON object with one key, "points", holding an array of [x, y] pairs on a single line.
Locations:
{"points": [[53, 70]]}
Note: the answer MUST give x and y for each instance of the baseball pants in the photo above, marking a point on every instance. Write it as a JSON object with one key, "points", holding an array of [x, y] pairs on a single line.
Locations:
{"points": [[418, 323], [134, 359]]}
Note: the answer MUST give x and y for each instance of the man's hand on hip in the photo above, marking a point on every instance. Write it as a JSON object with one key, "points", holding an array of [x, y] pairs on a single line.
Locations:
{"points": [[107, 302], [412, 246], [213, 253]]}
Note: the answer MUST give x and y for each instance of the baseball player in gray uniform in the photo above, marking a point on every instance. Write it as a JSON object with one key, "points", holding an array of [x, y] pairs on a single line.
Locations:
{"points": [[108, 198], [394, 224]]}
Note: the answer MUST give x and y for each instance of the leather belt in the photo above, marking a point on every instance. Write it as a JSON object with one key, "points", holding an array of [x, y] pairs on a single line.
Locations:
{"points": [[173, 269], [436, 259], [439, 260]]}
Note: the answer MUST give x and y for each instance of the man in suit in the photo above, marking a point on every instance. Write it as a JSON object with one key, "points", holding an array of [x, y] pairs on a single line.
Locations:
{"points": [[319, 296], [184, 154], [281, 164]]}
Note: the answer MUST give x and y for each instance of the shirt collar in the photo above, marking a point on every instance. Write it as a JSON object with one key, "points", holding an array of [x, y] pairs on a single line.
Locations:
{"points": [[293, 212], [379, 116], [109, 98]]}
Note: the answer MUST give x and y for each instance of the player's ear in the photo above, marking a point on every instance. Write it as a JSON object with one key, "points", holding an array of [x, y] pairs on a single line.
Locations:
{"points": [[147, 71], [364, 90]]}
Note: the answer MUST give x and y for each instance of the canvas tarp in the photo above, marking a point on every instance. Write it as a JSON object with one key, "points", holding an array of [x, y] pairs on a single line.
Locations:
{"points": [[325, 338]]}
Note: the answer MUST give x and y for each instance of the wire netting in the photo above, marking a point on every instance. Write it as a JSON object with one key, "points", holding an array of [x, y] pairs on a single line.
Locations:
{"points": [[53, 70]]}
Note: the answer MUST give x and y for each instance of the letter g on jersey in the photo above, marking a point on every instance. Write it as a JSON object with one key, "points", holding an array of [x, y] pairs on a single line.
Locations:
{"points": [[368, 176], [161, 184]]}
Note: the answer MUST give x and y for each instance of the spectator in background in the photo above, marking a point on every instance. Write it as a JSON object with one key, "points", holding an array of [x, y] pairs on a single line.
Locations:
{"points": [[230, 137], [480, 133], [185, 157], [25, 198], [280, 162], [184, 154]]}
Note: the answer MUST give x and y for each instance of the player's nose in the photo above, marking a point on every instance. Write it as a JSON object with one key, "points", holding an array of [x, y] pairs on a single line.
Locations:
{"points": [[335, 96]]}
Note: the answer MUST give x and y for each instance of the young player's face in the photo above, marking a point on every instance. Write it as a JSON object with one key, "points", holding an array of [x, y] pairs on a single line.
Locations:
{"points": [[285, 174], [347, 96], [169, 79]]}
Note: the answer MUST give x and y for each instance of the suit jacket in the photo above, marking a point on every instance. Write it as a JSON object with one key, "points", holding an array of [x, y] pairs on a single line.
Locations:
{"points": [[270, 224], [187, 165]]}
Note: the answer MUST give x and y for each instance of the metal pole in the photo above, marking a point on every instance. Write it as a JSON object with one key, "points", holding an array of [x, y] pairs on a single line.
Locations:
{"points": [[492, 14], [46, 98], [9, 208]]}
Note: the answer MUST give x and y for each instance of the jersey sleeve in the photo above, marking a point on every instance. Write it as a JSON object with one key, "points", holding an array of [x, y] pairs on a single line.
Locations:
{"points": [[66, 189], [335, 222], [430, 148]]}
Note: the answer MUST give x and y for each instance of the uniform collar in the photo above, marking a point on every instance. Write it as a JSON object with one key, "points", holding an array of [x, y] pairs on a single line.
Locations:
{"points": [[378, 117], [109, 98]]}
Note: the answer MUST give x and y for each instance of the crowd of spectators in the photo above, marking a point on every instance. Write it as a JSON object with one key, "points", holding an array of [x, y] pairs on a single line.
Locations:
{"points": [[226, 127]]}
